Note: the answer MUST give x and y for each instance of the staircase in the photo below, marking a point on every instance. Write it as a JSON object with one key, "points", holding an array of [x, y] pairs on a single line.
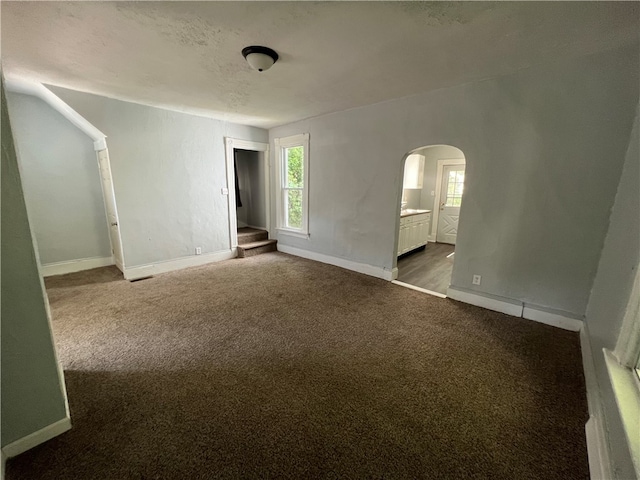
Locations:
{"points": [[252, 241]]}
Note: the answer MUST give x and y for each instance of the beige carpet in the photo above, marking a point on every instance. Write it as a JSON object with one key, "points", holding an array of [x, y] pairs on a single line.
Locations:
{"points": [[279, 367]]}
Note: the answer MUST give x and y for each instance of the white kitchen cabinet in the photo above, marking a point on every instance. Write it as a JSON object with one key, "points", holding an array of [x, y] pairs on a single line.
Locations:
{"points": [[414, 231]]}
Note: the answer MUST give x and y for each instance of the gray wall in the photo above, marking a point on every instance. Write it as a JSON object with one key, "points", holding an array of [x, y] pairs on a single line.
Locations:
{"points": [[168, 170], [251, 168], [544, 150], [32, 396], [61, 181], [611, 290]]}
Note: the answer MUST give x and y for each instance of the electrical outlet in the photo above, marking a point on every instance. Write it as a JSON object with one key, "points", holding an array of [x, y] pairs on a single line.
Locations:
{"points": [[477, 279], [433, 194], [198, 251]]}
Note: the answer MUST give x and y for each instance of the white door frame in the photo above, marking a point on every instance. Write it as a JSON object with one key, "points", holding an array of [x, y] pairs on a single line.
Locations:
{"points": [[118, 256], [230, 145], [436, 203]]}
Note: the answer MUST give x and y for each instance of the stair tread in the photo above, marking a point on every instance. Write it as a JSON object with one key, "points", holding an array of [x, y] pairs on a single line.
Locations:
{"points": [[249, 235], [259, 243]]}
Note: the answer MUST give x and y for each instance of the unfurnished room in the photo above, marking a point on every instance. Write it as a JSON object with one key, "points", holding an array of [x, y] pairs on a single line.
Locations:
{"points": [[332, 240]]}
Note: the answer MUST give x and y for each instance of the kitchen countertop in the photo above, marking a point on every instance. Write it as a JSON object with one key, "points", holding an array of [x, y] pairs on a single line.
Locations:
{"points": [[412, 211]]}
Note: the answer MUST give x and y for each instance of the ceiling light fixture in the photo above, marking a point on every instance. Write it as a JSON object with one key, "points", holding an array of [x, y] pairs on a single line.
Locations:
{"points": [[259, 58]]}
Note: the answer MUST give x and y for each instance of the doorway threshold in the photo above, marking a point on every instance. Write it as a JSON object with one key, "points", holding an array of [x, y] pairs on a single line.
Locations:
{"points": [[418, 289]]}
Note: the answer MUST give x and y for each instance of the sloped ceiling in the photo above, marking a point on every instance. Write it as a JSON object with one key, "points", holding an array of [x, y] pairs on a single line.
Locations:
{"points": [[333, 55]]}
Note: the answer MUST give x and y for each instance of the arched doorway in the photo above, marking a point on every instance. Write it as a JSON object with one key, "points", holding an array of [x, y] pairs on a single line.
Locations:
{"points": [[429, 210]]}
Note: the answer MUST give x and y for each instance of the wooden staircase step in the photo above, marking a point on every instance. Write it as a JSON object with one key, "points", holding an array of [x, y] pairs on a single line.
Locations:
{"points": [[256, 248]]}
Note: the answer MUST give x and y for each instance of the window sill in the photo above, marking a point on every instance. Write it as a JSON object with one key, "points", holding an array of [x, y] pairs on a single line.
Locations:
{"points": [[293, 233], [626, 388]]}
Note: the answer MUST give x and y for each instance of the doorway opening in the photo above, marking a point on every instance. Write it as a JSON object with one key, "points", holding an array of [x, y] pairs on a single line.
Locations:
{"points": [[249, 197], [429, 212]]}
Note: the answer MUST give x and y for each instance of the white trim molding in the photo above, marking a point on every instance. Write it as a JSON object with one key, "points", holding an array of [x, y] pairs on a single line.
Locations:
{"points": [[144, 271], [394, 273], [597, 453], [493, 302], [61, 268], [418, 289], [517, 308], [626, 389], [230, 144], [36, 438], [596, 436], [563, 320], [371, 270], [19, 85], [627, 349], [300, 140], [621, 366]]}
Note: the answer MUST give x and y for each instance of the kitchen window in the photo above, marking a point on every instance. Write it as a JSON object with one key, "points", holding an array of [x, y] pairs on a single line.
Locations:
{"points": [[293, 184]]}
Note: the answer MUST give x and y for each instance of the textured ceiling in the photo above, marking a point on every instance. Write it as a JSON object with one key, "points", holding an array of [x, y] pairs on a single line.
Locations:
{"points": [[333, 55]]}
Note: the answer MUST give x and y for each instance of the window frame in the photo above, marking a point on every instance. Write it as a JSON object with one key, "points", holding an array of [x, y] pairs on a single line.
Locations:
{"points": [[281, 144], [454, 196], [623, 364]]}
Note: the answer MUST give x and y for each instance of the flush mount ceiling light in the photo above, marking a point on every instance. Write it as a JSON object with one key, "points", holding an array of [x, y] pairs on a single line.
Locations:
{"points": [[260, 58]]}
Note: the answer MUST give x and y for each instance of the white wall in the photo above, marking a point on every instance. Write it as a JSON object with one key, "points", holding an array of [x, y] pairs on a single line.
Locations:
{"points": [[544, 151], [61, 182], [168, 170], [33, 395], [611, 290]]}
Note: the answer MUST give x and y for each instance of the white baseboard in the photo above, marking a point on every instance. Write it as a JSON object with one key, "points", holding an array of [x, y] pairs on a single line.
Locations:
{"points": [[551, 318], [142, 271], [516, 308], [60, 268], [599, 466], [394, 274], [378, 272], [497, 304], [418, 289], [36, 438], [597, 450], [590, 378]]}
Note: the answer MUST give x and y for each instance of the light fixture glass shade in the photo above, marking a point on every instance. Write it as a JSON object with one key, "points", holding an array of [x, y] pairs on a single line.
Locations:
{"points": [[260, 61], [260, 58]]}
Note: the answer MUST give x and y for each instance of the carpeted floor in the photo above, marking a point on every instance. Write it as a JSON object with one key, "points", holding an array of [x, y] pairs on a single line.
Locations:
{"points": [[280, 367]]}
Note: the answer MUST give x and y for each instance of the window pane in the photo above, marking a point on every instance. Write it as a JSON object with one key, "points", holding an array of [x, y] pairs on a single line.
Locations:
{"points": [[293, 208], [459, 187], [294, 166]]}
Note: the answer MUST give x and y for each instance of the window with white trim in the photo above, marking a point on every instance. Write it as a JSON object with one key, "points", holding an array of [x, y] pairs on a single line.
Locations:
{"points": [[455, 186], [623, 365], [292, 156]]}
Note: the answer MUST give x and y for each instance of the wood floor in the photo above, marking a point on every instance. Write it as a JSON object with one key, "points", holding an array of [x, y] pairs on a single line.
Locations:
{"points": [[429, 268]]}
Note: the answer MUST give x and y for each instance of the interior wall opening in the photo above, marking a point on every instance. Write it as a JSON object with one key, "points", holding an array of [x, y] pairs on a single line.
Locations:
{"points": [[249, 197], [250, 189], [429, 210]]}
